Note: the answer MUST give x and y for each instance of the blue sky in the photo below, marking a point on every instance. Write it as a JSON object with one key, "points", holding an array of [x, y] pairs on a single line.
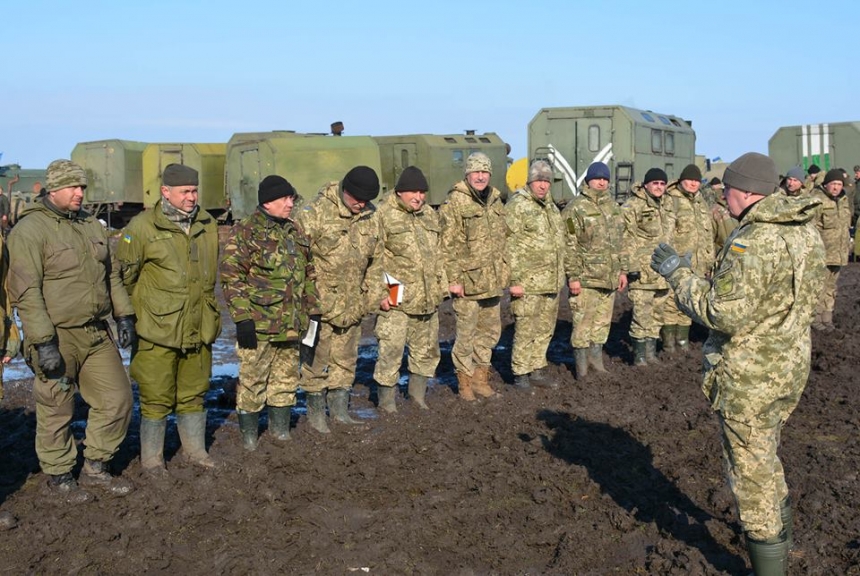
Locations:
{"points": [[195, 71]]}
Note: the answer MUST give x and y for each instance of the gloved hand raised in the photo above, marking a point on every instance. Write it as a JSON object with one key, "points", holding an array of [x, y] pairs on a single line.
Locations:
{"points": [[665, 260], [125, 333], [49, 356], [246, 334]]}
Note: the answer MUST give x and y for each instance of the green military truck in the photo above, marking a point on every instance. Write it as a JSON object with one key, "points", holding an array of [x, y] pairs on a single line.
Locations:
{"points": [[835, 145]]}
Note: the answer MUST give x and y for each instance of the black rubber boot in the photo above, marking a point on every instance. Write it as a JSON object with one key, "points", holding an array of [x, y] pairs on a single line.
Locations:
{"points": [[279, 422], [580, 357], [387, 396], [418, 390], [651, 351], [639, 352], [768, 558], [249, 426], [316, 412], [338, 402], [595, 357], [667, 335]]}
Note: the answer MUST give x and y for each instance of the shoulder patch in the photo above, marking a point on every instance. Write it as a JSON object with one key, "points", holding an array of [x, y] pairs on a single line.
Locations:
{"points": [[127, 238], [738, 248]]}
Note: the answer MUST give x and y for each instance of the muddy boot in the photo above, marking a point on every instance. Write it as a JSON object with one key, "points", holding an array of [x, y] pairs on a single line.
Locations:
{"points": [[464, 386], [595, 357], [387, 395], [769, 557], [249, 426], [817, 324], [542, 379], [279, 422], [152, 446], [418, 390], [827, 321], [639, 352], [682, 337], [97, 474], [64, 487], [192, 435], [481, 382], [787, 516], [580, 357], [651, 351], [667, 335], [315, 402], [338, 404], [522, 382]]}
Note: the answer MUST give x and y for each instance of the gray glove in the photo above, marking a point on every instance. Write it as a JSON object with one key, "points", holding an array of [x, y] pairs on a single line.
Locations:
{"points": [[665, 260], [125, 332], [49, 356]]}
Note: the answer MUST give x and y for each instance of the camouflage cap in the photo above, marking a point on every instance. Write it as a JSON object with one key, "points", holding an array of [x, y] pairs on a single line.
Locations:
{"points": [[478, 162], [64, 174], [540, 170]]}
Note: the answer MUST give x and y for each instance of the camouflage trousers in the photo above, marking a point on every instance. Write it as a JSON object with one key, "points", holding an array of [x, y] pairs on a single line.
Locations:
{"points": [[648, 308], [591, 312], [827, 302], [395, 330], [331, 363], [268, 375], [479, 327], [672, 314], [92, 366], [534, 324], [755, 474], [170, 379]]}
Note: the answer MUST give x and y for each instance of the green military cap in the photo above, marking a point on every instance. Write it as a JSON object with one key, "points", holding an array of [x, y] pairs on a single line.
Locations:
{"points": [[64, 174], [179, 175]]}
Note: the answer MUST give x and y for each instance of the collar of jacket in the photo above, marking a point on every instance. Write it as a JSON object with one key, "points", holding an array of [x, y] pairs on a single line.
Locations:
{"points": [[398, 203], [273, 220], [52, 208], [162, 221], [596, 195]]}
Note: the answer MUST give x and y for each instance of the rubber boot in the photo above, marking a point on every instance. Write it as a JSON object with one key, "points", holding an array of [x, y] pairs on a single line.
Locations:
{"points": [[418, 390], [639, 352], [387, 401], [580, 357], [787, 516], [464, 385], [98, 474], [315, 402], [481, 382], [768, 558], [668, 334], [152, 446], [338, 403], [651, 351], [827, 321], [682, 337], [541, 379], [595, 357], [522, 382], [279, 422], [249, 426], [192, 434]]}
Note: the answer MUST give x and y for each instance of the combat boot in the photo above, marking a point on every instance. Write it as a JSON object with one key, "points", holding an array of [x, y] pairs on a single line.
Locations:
{"points": [[481, 382], [464, 385], [522, 382], [315, 402], [249, 426], [418, 390], [338, 403], [595, 357], [97, 474], [682, 337], [667, 335], [639, 352], [387, 396], [580, 357], [192, 434], [541, 379], [152, 446], [768, 557], [65, 486], [651, 351], [279, 422]]}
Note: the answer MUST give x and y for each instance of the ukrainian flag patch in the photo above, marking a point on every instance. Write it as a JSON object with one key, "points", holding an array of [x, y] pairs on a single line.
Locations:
{"points": [[127, 238], [738, 248]]}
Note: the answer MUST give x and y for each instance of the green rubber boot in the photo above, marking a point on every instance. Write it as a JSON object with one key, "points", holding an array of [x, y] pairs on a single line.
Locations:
{"points": [[249, 426], [386, 398], [338, 402], [418, 390], [279, 422], [316, 412], [768, 558], [667, 335], [639, 352]]}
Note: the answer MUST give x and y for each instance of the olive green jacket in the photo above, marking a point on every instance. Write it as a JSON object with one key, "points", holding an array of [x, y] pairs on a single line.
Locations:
{"points": [[171, 278]]}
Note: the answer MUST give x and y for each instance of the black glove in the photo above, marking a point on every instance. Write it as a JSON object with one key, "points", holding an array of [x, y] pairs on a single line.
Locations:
{"points": [[125, 333], [246, 334], [633, 277], [665, 260], [49, 356]]}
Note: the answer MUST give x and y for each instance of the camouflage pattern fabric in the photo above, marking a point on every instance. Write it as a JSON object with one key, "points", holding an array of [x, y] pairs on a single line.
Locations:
{"points": [[479, 327], [694, 227], [827, 300], [647, 222], [672, 315], [267, 276], [268, 376], [331, 363], [724, 223], [591, 314], [758, 304], [649, 307], [833, 222], [64, 174], [395, 330], [535, 316]]}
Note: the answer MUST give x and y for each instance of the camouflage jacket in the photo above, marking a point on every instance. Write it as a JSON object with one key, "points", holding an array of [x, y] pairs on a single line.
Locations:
{"points": [[724, 223], [594, 230], [267, 276], [62, 273], [342, 246], [647, 222], [535, 244], [694, 227], [759, 304], [409, 250], [833, 223], [473, 242], [171, 278]]}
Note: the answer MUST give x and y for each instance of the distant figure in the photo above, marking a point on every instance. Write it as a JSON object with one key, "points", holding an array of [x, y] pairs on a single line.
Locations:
{"points": [[814, 176], [833, 221], [793, 183], [337, 128]]}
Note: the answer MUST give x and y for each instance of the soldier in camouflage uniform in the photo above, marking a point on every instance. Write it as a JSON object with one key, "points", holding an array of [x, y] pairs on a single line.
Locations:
{"points": [[408, 250], [793, 183], [694, 233], [66, 285], [169, 258], [595, 265], [473, 245], [648, 220], [342, 227], [535, 247], [268, 281], [724, 224], [833, 223], [758, 304]]}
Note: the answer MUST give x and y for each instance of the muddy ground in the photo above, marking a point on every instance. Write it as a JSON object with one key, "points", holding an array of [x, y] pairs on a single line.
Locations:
{"points": [[619, 474]]}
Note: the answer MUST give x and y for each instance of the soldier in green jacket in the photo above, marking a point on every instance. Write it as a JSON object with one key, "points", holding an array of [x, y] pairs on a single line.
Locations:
{"points": [[66, 285], [169, 259], [595, 265], [535, 248], [833, 223], [268, 281], [407, 251], [473, 248], [342, 228], [758, 304]]}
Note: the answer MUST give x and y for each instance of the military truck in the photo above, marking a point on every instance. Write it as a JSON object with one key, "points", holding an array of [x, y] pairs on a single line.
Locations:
{"points": [[835, 145], [630, 141], [20, 186], [207, 159]]}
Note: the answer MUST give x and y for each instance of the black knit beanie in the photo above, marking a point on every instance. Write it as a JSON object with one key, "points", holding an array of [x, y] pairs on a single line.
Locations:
{"points": [[362, 183], [412, 180], [274, 187], [655, 174], [691, 172]]}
